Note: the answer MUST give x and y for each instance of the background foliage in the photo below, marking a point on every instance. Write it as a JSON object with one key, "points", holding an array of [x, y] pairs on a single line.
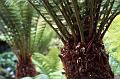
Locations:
{"points": [[112, 44]]}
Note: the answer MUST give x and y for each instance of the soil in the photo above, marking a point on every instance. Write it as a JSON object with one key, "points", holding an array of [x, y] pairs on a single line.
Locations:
{"points": [[117, 77]]}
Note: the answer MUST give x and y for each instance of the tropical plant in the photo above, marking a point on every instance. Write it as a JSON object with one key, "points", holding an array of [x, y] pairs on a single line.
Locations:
{"points": [[23, 30], [18, 37], [81, 25], [49, 66]]}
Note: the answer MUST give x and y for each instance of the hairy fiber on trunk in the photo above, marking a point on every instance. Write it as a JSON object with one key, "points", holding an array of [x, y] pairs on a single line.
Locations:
{"points": [[25, 68], [83, 61]]}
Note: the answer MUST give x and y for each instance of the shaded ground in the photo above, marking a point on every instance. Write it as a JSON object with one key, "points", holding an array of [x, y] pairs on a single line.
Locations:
{"points": [[4, 46], [117, 77]]}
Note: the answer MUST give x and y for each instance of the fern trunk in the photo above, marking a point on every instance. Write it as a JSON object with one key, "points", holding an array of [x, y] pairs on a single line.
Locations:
{"points": [[86, 61], [25, 68]]}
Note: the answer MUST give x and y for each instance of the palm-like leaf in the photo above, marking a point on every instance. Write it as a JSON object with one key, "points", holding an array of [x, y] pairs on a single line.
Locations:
{"points": [[22, 28], [78, 18], [48, 64]]}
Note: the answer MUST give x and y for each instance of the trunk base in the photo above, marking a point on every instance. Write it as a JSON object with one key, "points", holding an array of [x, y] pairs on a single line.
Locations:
{"points": [[81, 63], [25, 69]]}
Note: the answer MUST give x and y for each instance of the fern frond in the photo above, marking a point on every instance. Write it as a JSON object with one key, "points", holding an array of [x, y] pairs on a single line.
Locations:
{"points": [[78, 20], [22, 26], [49, 63]]}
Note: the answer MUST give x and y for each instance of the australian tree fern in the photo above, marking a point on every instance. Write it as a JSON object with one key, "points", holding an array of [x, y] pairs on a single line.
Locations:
{"points": [[21, 28], [81, 25]]}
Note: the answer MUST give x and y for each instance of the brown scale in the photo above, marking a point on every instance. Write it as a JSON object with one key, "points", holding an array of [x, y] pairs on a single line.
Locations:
{"points": [[79, 64]]}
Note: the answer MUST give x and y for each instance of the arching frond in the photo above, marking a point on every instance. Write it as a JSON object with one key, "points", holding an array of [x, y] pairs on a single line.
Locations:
{"points": [[78, 20], [21, 26]]}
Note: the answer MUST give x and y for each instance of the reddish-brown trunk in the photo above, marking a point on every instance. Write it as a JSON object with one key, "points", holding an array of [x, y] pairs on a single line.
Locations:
{"points": [[25, 68], [86, 61]]}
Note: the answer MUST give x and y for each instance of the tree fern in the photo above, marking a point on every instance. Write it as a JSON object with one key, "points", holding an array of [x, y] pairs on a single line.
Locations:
{"points": [[58, 11], [81, 25], [23, 30]]}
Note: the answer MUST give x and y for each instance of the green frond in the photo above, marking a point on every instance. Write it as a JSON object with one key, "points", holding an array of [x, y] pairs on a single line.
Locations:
{"points": [[79, 20], [49, 63], [21, 26]]}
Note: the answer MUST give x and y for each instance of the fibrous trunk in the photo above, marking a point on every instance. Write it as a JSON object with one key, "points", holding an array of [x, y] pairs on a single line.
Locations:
{"points": [[86, 61], [25, 68]]}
